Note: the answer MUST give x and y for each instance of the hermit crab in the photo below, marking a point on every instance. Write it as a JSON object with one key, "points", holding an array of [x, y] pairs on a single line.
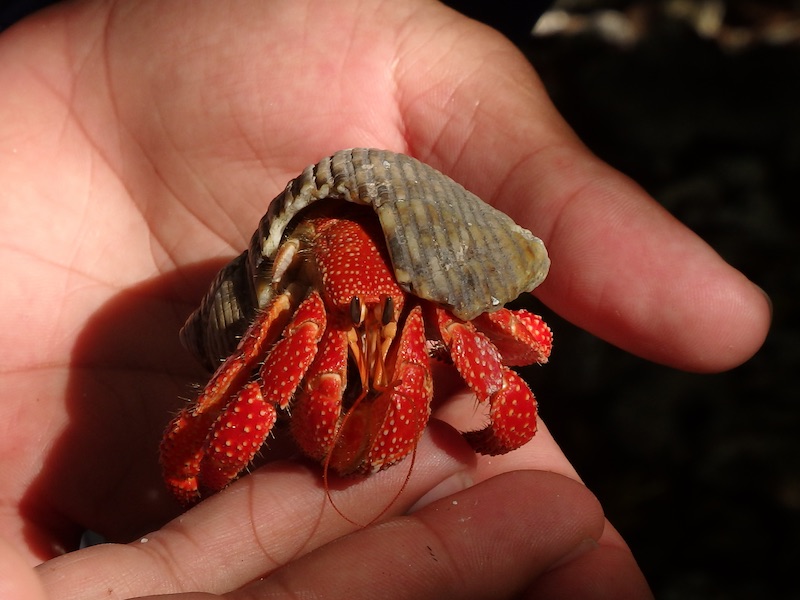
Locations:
{"points": [[368, 265]]}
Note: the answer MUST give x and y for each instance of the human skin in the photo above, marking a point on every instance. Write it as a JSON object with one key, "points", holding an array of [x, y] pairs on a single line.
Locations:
{"points": [[140, 144]]}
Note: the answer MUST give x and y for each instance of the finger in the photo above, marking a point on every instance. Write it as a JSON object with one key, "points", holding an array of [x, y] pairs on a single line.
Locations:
{"points": [[17, 579], [541, 453], [622, 267], [633, 275], [488, 541], [261, 522], [608, 570]]}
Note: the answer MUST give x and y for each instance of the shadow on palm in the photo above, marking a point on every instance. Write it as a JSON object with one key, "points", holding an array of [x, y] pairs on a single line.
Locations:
{"points": [[128, 375]]}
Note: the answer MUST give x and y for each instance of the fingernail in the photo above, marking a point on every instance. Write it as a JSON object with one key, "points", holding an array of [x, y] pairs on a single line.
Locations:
{"points": [[452, 485], [582, 548]]}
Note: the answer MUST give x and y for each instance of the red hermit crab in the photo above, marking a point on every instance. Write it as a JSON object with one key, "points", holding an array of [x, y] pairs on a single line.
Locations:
{"points": [[368, 264]]}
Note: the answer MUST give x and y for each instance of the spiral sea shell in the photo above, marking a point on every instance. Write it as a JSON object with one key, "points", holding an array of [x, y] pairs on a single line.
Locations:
{"points": [[445, 243]]}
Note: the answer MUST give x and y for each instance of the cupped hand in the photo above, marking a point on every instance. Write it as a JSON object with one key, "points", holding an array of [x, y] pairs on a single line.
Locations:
{"points": [[141, 143]]}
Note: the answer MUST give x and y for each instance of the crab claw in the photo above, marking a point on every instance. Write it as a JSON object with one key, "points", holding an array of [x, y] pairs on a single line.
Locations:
{"points": [[383, 426], [512, 415], [512, 405], [403, 409]]}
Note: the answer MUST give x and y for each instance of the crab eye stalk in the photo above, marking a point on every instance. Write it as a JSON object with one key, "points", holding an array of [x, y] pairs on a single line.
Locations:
{"points": [[387, 316], [356, 310]]}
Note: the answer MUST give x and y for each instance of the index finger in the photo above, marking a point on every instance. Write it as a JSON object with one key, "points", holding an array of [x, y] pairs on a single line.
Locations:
{"points": [[622, 267]]}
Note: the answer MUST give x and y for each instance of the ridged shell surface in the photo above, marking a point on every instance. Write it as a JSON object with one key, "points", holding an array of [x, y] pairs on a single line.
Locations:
{"points": [[445, 243]]}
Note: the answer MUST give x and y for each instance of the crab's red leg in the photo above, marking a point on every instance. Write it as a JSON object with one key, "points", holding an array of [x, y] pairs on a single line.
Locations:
{"points": [[183, 445], [318, 407], [522, 338], [512, 405], [240, 430]]}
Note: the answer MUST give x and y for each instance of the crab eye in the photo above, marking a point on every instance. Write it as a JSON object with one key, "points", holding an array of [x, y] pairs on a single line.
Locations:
{"points": [[355, 310], [388, 311]]}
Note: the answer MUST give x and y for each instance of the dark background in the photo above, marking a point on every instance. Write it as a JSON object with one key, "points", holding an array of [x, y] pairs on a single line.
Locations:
{"points": [[700, 103]]}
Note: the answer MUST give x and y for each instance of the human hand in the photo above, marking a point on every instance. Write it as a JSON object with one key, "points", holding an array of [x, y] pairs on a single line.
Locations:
{"points": [[148, 137]]}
